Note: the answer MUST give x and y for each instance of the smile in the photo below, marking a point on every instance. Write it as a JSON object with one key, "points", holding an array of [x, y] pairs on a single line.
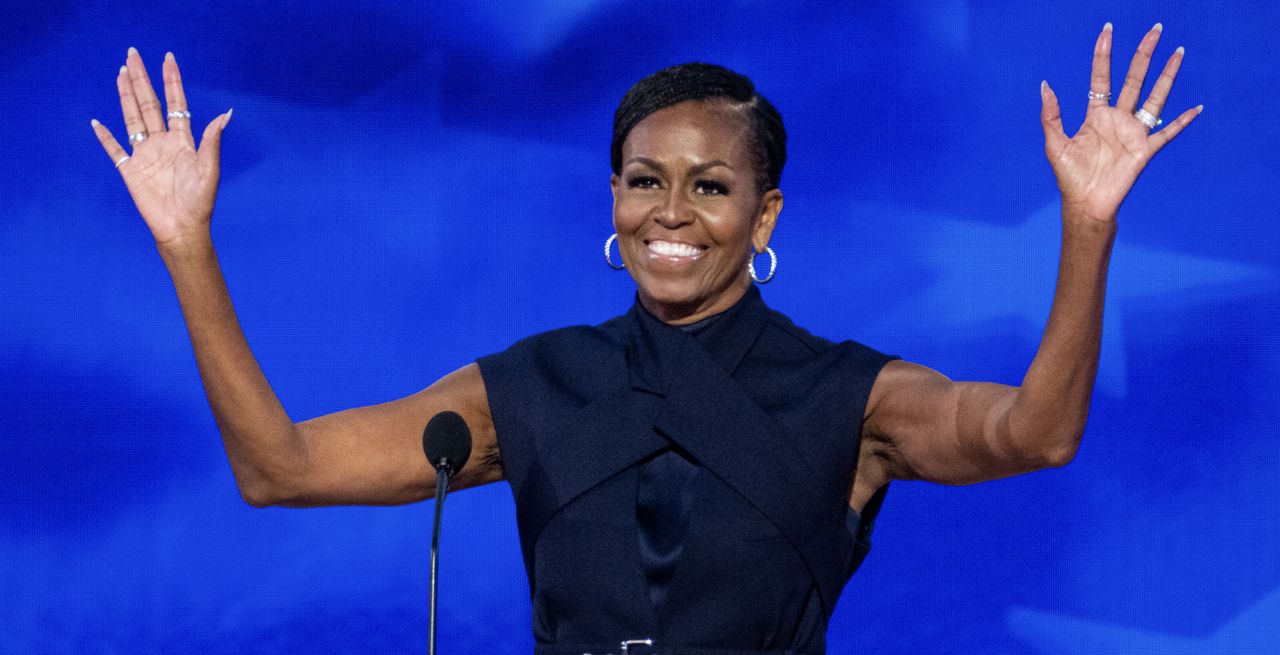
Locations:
{"points": [[674, 249]]}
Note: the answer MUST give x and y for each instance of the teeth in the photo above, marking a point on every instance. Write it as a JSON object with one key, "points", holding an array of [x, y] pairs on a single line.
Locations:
{"points": [[670, 249]]}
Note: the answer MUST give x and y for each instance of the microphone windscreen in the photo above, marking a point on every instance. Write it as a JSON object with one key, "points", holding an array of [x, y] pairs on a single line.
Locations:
{"points": [[447, 440]]}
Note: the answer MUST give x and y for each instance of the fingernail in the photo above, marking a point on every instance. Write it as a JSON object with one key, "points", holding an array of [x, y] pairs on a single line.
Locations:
{"points": [[1043, 86], [1199, 108], [93, 122], [1157, 27], [224, 124], [1107, 27], [1180, 50], [168, 56], [124, 70], [133, 50]]}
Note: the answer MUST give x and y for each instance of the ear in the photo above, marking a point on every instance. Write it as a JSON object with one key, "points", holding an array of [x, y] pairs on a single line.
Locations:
{"points": [[614, 181], [770, 207]]}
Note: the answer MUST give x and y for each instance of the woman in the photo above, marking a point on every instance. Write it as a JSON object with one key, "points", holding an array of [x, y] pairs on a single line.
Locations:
{"points": [[700, 472]]}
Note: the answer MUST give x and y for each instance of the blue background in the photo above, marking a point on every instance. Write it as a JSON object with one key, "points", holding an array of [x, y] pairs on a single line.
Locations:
{"points": [[408, 186]]}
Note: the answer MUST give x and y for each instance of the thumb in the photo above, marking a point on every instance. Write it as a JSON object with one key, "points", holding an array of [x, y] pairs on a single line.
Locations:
{"points": [[211, 140], [1051, 119]]}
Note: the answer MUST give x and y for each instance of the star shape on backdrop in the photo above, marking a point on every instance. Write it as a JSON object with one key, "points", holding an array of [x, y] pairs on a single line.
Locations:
{"points": [[1254, 630], [986, 271], [531, 29]]}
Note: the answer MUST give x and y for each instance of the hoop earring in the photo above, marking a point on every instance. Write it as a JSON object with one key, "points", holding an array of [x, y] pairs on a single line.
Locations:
{"points": [[608, 259], [773, 266]]}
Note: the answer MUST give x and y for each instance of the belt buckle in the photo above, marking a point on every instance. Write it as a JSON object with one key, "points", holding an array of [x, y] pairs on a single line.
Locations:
{"points": [[627, 644]]}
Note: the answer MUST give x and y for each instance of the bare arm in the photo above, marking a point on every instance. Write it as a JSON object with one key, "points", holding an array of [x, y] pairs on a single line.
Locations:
{"points": [[368, 455], [919, 424]]}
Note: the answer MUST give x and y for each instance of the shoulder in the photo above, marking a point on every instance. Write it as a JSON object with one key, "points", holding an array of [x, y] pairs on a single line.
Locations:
{"points": [[575, 360], [783, 338], [564, 346], [542, 378]]}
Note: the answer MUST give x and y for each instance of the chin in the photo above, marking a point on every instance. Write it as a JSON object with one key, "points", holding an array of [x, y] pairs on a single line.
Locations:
{"points": [[681, 296], [678, 293]]}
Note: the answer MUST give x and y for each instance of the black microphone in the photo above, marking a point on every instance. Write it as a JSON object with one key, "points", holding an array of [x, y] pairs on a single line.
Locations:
{"points": [[447, 444]]}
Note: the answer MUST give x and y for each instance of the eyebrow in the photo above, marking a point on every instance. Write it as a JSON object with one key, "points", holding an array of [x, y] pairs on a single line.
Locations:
{"points": [[695, 170]]}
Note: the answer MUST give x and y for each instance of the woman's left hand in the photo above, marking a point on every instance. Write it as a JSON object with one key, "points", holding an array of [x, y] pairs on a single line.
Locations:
{"points": [[1097, 167]]}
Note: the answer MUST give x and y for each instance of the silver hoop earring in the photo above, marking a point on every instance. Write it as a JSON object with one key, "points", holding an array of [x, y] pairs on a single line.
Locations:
{"points": [[773, 266], [608, 259]]}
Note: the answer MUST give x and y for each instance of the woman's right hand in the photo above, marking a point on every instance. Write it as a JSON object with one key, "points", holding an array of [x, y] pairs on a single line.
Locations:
{"points": [[173, 184]]}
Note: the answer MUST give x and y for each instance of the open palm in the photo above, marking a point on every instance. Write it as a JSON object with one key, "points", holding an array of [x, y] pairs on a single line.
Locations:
{"points": [[173, 184], [1096, 168]]}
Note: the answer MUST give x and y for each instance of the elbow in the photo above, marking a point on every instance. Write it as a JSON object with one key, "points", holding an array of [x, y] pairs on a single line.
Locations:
{"points": [[260, 489], [257, 493], [267, 481], [1060, 457], [256, 502], [1061, 451]]}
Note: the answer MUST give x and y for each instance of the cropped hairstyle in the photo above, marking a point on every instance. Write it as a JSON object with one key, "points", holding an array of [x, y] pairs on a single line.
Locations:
{"points": [[707, 82]]}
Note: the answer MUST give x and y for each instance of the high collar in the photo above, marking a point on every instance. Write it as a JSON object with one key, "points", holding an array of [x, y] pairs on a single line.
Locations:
{"points": [[654, 348]]}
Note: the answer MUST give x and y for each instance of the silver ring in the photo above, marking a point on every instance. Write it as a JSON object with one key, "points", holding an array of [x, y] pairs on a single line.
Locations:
{"points": [[1099, 96], [122, 160], [1147, 118], [179, 114], [137, 137]]}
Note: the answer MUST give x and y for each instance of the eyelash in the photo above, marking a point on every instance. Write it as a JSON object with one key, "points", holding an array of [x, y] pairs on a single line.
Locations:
{"points": [[718, 188], [649, 182]]}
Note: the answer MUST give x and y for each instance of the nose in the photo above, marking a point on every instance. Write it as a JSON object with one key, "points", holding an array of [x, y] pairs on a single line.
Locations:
{"points": [[674, 211]]}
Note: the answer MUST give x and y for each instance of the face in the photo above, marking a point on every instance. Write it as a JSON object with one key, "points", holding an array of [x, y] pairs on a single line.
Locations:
{"points": [[687, 211]]}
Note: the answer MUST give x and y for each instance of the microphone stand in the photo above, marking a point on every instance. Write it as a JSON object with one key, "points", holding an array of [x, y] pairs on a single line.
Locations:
{"points": [[442, 488]]}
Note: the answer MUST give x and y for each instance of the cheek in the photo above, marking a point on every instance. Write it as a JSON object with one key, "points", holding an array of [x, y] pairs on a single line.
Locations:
{"points": [[731, 227], [628, 215]]}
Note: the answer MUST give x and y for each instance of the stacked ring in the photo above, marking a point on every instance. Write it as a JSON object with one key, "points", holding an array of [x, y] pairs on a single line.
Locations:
{"points": [[1099, 96], [1147, 118], [179, 114], [137, 137]]}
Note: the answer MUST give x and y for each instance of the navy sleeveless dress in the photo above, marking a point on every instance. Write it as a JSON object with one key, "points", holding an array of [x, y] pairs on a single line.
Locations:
{"points": [[689, 487]]}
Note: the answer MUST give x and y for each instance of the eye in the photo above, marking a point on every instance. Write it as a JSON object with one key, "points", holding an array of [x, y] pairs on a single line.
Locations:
{"points": [[642, 182], [711, 188]]}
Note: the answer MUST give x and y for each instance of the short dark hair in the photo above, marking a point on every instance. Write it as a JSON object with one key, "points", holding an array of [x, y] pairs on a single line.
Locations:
{"points": [[708, 82]]}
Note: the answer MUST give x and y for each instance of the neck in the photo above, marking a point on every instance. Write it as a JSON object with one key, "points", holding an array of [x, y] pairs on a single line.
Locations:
{"points": [[686, 313]]}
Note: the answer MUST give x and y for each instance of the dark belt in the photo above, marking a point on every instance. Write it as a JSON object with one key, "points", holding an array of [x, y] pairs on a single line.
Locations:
{"points": [[639, 647]]}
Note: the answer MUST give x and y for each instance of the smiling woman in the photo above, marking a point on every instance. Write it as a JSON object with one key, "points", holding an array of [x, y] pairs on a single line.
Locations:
{"points": [[688, 209], [700, 475]]}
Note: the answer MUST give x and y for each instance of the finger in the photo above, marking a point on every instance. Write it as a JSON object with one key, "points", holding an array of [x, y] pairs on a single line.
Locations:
{"points": [[114, 150], [1160, 90], [211, 140], [1159, 139], [175, 99], [1100, 79], [1051, 119], [129, 105], [1138, 70], [148, 103]]}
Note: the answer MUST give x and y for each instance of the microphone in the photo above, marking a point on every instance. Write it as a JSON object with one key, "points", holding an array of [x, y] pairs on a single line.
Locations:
{"points": [[447, 443]]}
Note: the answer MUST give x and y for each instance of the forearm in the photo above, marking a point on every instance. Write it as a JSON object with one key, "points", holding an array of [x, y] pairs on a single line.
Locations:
{"points": [[259, 437], [1049, 411]]}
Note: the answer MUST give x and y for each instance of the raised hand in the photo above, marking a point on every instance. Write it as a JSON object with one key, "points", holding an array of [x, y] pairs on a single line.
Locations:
{"points": [[1096, 168], [173, 184]]}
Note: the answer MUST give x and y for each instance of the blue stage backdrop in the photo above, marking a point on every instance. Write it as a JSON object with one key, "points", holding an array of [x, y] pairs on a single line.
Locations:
{"points": [[409, 186]]}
